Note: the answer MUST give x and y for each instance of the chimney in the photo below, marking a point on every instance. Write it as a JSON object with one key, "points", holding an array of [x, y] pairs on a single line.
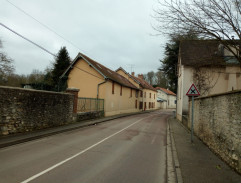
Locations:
{"points": [[133, 73], [140, 76]]}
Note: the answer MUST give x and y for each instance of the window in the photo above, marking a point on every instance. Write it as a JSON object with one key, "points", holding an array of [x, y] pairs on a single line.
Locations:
{"points": [[131, 93], [113, 87], [140, 105], [141, 95], [154, 96], [150, 95], [136, 104], [136, 93], [145, 95], [120, 90], [153, 104], [149, 105]]}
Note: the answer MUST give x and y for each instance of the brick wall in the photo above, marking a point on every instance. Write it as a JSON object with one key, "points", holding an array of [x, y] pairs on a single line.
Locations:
{"points": [[217, 122], [23, 110]]}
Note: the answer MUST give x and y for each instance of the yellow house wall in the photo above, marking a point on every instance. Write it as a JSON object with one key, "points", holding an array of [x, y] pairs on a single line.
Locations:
{"points": [[116, 103], [86, 79], [122, 73], [147, 99], [127, 77], [142, 99]]}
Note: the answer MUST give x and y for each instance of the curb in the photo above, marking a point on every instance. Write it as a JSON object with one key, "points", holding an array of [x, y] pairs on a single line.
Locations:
{"points": [[171, 176], [34, 136], [173, 167]]}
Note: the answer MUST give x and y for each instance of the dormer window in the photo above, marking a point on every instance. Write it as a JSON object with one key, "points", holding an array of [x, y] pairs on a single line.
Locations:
{"points": [[227, 55]]}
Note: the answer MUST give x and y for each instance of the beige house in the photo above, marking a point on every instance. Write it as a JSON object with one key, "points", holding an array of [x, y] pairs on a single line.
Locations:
{"points": [[97, 81], [209, 66], [147, 97], [166, 99]]}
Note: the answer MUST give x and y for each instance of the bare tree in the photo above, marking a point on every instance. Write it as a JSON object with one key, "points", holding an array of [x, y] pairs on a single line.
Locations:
{"points": [[215, 19], [150, 77], [206, 78], [36, 76], [15, 80], [160, 79], [6, 66]]}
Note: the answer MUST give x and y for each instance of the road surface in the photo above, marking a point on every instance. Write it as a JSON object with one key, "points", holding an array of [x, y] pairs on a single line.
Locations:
{"points": [[130, 149]]}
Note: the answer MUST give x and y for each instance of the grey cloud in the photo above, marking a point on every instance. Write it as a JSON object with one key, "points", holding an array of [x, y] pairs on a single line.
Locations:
{"points": [[114, 33]]}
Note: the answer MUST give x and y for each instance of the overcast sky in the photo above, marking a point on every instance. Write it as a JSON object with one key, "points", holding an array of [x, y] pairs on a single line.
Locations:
{"points": [[112, 32]]}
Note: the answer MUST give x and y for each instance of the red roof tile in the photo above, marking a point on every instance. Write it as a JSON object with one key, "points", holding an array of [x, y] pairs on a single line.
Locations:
{"points": [[104, 71], [144, 83], [169, 92]]}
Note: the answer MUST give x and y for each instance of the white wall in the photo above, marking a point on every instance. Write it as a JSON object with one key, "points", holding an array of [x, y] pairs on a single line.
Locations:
{"points": [[171, 102], [185, 80]]}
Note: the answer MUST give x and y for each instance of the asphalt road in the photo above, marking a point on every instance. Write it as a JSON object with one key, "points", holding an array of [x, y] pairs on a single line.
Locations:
{"points": [[130, 149]]}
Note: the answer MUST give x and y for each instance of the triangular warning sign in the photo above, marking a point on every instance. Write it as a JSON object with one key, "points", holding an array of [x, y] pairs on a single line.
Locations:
{"points": [[193, 91]]}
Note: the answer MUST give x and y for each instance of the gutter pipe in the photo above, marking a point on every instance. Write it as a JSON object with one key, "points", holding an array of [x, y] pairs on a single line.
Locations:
{"points": [[99, 86]]}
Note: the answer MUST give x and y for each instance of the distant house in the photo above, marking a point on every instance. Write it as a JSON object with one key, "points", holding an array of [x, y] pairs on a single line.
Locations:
{"points": [[166, 99], [208, 65], [148, 94], [94, 80]]}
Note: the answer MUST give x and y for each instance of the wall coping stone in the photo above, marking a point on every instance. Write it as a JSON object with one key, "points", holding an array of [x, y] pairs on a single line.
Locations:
{"points": [[218, 94], [72, 89], [33, 90]]}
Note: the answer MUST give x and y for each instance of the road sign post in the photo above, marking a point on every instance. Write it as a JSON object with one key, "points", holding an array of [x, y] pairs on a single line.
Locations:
{"points": [[192, 92], [192, 118]]}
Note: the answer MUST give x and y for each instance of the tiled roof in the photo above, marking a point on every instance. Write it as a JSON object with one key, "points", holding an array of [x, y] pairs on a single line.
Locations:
{"points": [[200, 53], [138, 80], [120, 68], [169, 92], [104, 71], [144, 84]]}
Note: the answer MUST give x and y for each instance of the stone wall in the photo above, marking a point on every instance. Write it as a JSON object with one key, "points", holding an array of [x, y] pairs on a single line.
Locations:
{"points": [[89, 115], [23, 110], [217, 122]]}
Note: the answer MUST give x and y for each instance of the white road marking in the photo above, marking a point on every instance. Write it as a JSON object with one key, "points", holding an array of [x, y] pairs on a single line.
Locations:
{"points": [[79, 153], [153, 140], [157, 133]]}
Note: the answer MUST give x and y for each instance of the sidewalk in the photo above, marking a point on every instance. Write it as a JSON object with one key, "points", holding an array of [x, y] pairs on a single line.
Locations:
{"points": [[197, 163], [24, 137]]}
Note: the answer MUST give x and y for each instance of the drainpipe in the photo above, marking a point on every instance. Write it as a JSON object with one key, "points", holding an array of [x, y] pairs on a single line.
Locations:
{"points": [[143, 105], [99, 86]]}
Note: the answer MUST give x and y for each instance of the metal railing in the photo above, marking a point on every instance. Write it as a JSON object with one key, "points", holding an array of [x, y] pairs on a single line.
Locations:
{"points": [[90, 104]]}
